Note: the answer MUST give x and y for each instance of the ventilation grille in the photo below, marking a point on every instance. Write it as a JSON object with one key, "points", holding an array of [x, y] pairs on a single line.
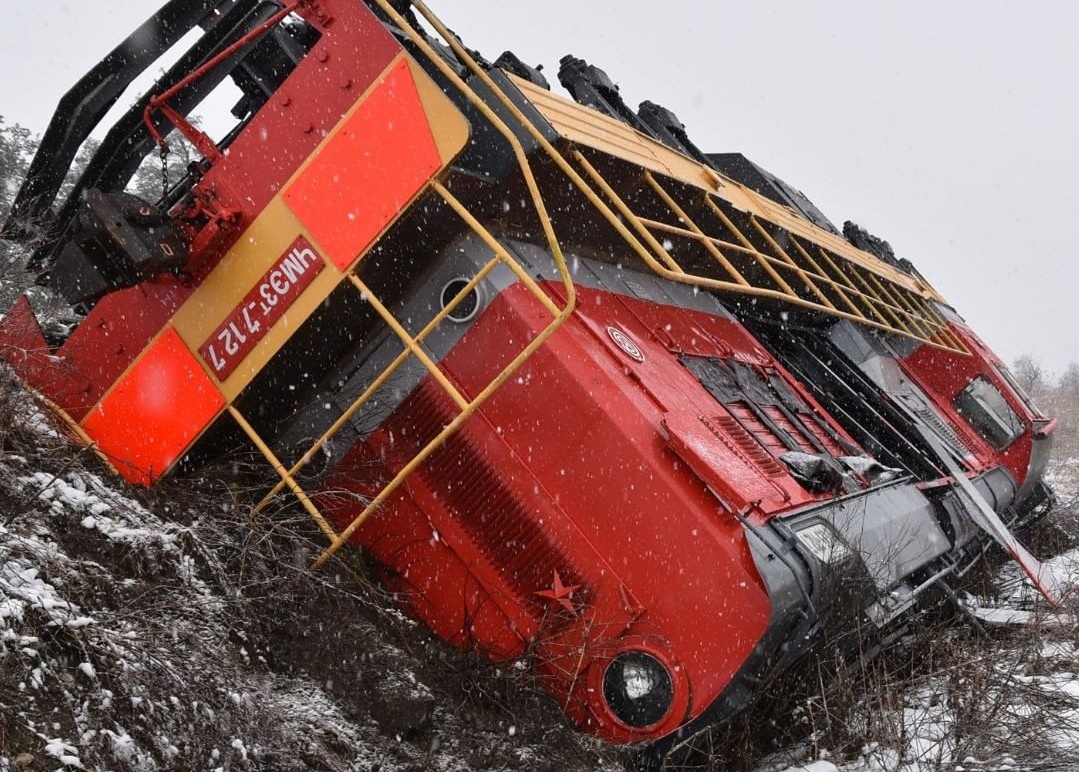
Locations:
{"points": [[749, 444], [943, 430], [500, 526], [800, 432]]}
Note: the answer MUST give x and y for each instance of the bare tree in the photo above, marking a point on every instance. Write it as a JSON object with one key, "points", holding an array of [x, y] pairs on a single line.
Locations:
{"points": [[1030, 374], [1069, 382], [16, 148]]}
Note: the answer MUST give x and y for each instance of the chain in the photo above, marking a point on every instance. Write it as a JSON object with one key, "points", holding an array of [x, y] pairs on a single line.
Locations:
{"points": [[164, 171]]}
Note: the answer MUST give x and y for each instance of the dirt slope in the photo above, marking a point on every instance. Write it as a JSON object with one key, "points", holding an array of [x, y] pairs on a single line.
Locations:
{"points": [[164, 631]]}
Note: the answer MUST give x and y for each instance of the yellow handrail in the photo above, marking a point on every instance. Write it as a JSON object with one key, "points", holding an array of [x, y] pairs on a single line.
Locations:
{"points": [[635, 232], [413, 344]]}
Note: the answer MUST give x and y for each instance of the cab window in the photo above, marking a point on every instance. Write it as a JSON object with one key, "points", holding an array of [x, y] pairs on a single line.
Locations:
{"points": [[985, 409]]}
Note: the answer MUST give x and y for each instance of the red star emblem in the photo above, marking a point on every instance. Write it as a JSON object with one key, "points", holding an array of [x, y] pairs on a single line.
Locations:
{"points": [[560, 593]]}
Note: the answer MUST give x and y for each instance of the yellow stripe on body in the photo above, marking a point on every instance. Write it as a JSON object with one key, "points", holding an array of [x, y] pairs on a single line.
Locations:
{"points": [[277, 227], [231, 279]]}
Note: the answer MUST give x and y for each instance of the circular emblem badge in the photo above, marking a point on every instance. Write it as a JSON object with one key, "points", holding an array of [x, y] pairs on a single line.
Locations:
{"points": [[626, 343]]}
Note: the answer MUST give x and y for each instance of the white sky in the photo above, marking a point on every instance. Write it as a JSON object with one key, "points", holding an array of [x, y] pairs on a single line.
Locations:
{"points": [[949, 128]]}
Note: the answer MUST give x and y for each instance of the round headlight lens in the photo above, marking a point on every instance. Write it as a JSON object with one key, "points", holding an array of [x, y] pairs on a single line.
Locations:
{"points": [[638, 689]]}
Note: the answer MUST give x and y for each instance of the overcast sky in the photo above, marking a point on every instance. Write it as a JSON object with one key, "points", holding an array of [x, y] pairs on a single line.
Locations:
{"points": [[950, 129]]}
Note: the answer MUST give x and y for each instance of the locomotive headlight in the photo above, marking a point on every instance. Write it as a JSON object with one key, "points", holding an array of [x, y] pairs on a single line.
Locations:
{"points": [[824, 543], [638, 689]]}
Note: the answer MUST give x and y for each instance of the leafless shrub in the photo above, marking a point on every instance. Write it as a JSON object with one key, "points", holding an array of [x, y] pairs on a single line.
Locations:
{"points": [[208, 628]]}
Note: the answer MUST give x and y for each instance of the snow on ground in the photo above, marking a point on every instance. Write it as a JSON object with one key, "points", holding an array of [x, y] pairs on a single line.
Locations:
{"points": [[1008, 700], [174, 634], [166, 632], [1002, 707], [1063, 476]]}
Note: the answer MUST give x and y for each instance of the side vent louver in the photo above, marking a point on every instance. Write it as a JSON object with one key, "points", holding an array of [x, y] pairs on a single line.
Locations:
{"points": [[501, 527]]}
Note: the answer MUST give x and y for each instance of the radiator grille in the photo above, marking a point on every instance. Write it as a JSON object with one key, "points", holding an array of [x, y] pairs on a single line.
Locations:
{"points": [[749, 443], [499, 524]]}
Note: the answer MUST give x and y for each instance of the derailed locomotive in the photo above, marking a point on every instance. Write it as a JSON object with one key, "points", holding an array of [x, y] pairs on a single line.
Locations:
{"points": [[590, 396]]}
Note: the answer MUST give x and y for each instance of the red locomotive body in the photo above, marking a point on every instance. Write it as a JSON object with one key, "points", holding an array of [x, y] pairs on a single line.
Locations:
{"points": [[635, 413], [597, 505]]}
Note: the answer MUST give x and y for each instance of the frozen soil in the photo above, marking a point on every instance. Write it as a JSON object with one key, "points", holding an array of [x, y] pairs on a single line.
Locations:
{"points": [[164, 630], [1005, 697]]}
